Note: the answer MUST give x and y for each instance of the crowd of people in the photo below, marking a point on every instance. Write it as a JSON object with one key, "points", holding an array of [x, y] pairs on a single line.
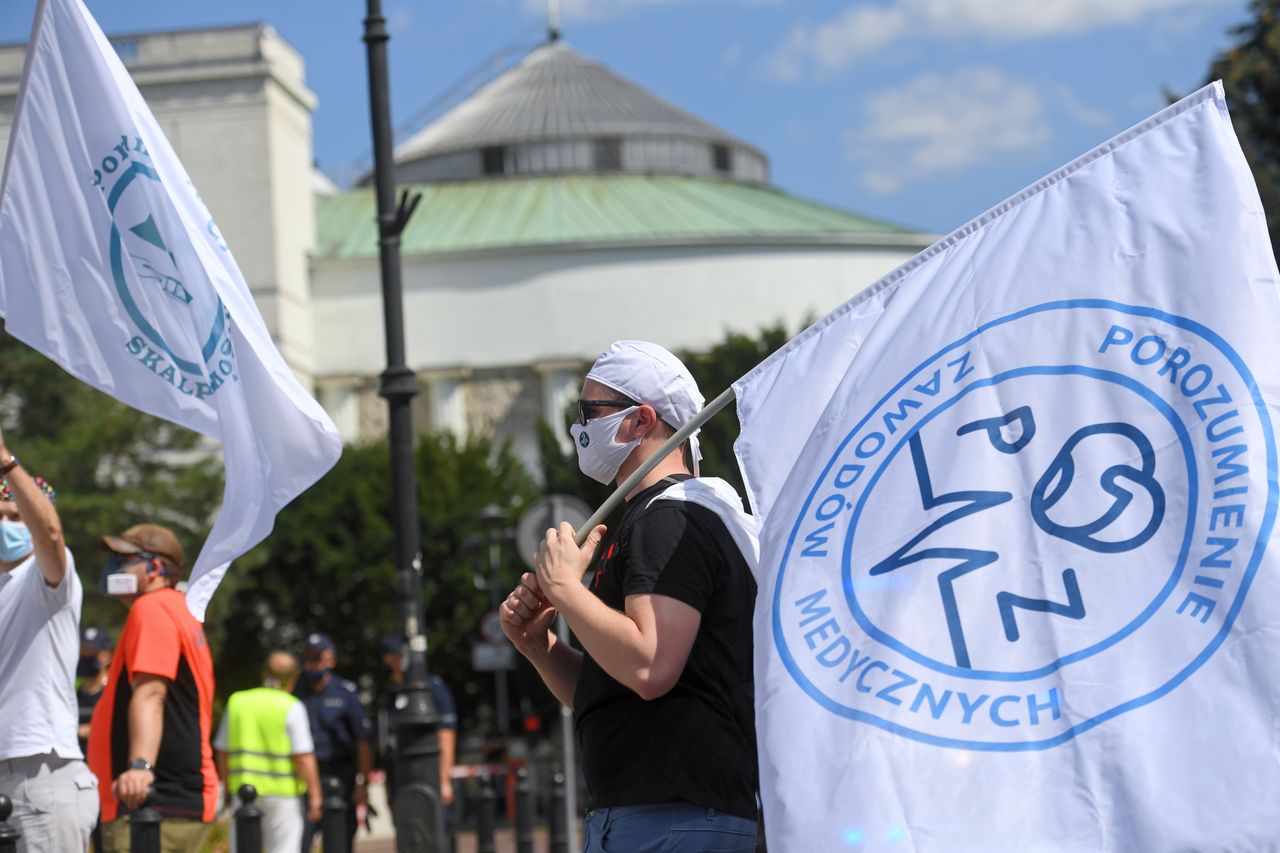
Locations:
{"points": [[660, 678], [95, 729]]}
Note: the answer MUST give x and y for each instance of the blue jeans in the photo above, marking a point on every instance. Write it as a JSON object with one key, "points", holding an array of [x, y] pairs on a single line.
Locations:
{"points": [[666, 828]]}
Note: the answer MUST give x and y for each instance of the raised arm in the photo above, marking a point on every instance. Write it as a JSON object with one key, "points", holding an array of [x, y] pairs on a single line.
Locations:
{"points": [[40, 517]]}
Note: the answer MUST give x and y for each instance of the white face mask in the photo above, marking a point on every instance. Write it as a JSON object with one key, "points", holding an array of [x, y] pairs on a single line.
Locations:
{"points": [[125, 583], [599, 454]]}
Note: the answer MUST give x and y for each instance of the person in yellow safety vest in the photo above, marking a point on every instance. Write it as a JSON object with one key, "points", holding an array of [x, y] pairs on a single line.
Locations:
{"points": [[264, 740]]}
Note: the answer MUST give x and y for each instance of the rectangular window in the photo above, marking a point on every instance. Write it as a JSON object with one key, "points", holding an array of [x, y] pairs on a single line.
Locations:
{"points": [[722, 158], [608, 155], [493, 160], [126, 49]]}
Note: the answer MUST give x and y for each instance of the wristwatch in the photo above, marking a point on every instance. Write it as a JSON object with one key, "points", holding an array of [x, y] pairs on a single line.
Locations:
{"points": [[140, 764], [360, 780], [9, 466]]}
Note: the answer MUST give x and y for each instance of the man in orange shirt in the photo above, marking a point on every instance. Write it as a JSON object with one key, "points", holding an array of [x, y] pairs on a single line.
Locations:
{"points": [[151, 728]]}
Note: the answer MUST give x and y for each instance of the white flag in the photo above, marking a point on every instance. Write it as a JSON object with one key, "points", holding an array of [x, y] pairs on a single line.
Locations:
{"points": [[1016, 499], [112, 266]]}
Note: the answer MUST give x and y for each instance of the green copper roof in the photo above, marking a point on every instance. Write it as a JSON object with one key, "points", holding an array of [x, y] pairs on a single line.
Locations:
{"points": [[470, 216]]}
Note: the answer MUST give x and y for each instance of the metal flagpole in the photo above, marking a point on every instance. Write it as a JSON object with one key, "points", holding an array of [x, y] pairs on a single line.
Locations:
{"points": [[414, 718], [708, 411]]}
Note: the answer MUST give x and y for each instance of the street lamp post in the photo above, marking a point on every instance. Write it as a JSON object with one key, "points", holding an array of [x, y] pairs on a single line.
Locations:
{"points": [[413, 716]]}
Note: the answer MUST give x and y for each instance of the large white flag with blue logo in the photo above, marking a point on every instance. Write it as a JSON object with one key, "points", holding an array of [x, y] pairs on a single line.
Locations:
{"points": [[1016, 498], [112, 266]]}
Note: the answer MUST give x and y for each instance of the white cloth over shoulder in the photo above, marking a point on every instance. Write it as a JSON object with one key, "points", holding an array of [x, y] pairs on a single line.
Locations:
{"points": [[111, 265], [1017, 585], [718, 496]]}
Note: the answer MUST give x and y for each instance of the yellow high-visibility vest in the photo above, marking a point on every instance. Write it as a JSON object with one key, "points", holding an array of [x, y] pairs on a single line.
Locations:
{"points": [[259, 752]]}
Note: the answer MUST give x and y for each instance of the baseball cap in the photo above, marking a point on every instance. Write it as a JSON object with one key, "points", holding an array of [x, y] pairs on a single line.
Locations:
{"points": [[319, 643], [649, 373], [95, 638], [390, 645], [152, 538]]}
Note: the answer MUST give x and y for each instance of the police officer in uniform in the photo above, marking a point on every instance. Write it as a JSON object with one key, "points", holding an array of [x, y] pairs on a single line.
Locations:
{"points": [[339, 726]]}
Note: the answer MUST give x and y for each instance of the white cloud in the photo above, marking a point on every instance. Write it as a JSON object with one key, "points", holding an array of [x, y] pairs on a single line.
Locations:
{"points": [[1082, 112], [943, 124], [589, 10], [863, 29], [595, 10]]}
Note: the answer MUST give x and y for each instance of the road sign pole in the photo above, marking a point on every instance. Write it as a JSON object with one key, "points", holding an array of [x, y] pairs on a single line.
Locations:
{"points": [[545, 513]]}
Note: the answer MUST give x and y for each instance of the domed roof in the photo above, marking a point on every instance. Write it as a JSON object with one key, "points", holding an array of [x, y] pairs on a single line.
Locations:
{"points": [[556, 97]]}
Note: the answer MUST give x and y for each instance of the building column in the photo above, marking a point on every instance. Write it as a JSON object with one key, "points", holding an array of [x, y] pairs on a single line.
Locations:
{"points": [[447, 399], [561, 382]]}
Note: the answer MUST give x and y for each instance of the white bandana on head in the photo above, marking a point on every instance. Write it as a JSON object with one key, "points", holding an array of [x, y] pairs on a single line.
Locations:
{"points": [[648, 373]]}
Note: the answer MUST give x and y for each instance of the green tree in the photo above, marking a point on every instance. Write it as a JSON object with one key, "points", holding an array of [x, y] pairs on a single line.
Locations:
{"points": [[717, 369], [328, 567], [1250, 74], [111, 465]]}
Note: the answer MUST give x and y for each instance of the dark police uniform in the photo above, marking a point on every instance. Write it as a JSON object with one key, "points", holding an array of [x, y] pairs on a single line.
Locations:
{"points": [[440, 697], [338, 722]]}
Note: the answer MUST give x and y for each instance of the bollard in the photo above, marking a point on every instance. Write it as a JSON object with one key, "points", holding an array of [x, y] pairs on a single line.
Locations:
{"points": [[333, 825], [486, 812], [559, 832], [524, 811], [9, 836], [248, 821], [144, 828]]}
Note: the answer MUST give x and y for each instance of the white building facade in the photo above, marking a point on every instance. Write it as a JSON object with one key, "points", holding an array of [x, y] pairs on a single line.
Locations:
{"points": [[563, 208]]}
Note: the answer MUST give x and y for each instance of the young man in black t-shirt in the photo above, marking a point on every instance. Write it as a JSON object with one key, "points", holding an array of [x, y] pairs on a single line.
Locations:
{"points": [[662, 686]]}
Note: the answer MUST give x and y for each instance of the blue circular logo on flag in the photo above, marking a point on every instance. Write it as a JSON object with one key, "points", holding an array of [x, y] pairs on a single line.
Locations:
{"points": [[182, 333], [1050, 522]]}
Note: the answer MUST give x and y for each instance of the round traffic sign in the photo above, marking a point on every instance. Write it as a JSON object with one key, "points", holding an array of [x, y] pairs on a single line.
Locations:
{"points": [[547, 512], [491, 627]]}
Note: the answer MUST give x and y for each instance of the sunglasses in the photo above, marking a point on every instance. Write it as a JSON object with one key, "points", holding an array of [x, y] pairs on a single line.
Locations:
{"points": [[118, 563], [585, 407]]}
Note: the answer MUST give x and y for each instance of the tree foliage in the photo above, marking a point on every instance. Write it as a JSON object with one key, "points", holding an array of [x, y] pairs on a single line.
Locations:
{"points": [[717, 369], [112, 466], [328, 566], [1250, 74]]}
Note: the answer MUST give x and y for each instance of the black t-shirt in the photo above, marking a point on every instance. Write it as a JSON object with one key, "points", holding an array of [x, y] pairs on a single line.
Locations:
{"points": [[87, 702], [696, 743]]}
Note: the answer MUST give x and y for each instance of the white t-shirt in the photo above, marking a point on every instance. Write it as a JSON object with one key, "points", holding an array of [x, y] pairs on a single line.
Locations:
{"points": [[39, 648], [296, 725]]}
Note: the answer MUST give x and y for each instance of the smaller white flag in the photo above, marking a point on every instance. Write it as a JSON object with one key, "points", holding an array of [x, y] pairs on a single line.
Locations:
{"points": [[111, 265]]}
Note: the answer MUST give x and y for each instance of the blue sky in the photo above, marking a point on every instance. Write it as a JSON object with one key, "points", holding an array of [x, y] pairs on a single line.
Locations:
{"points": [[923, 112]]}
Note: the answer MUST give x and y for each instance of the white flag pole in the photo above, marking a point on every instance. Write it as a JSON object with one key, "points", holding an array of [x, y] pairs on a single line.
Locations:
{"points": [[649, 464]]}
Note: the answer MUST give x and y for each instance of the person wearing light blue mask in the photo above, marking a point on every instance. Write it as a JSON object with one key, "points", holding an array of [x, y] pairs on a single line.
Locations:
{"points": [[661, 684], [42, 768]]}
